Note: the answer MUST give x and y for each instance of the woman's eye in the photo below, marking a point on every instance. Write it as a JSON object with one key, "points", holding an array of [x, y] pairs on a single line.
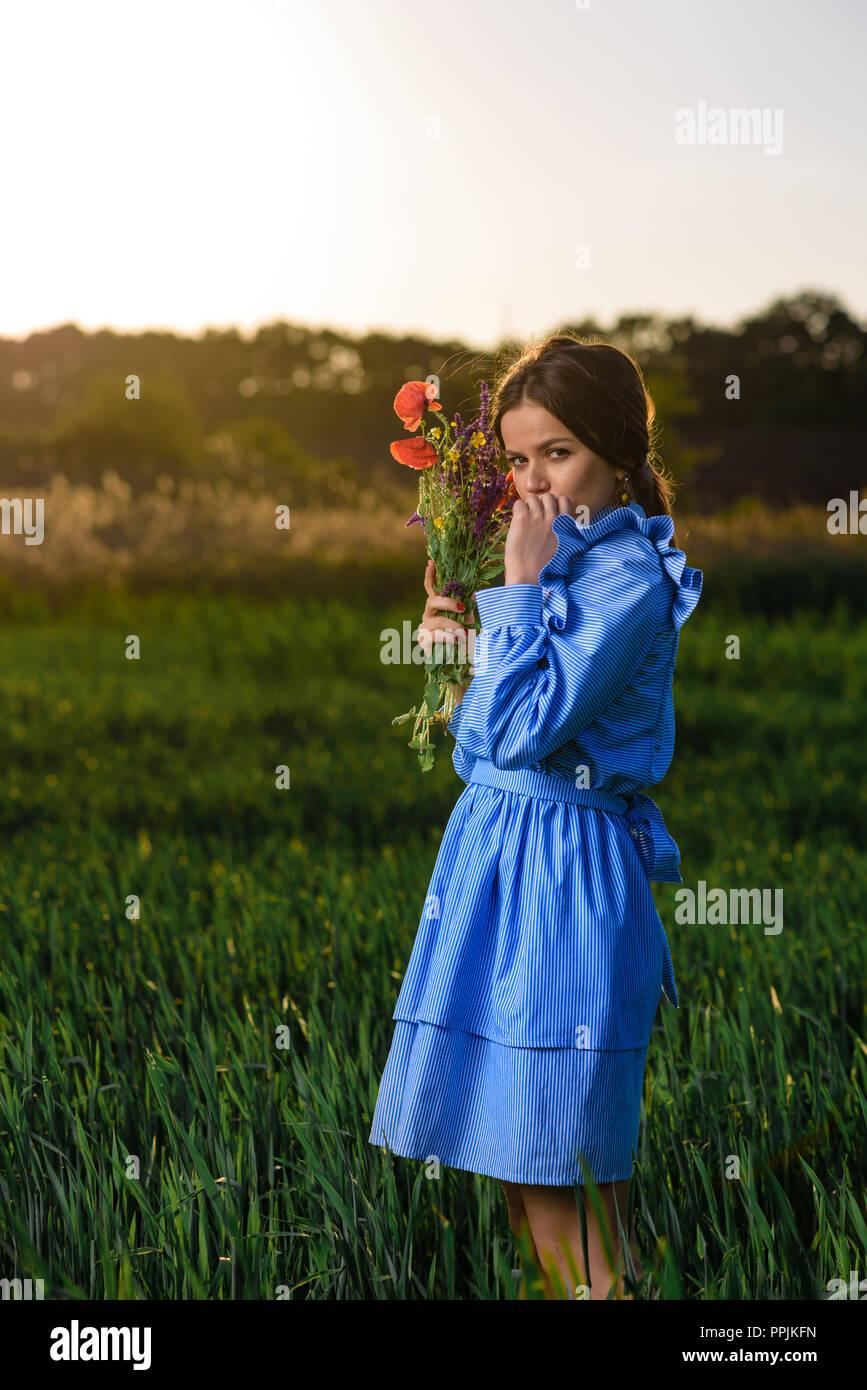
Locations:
{"points": [[520, 458]]}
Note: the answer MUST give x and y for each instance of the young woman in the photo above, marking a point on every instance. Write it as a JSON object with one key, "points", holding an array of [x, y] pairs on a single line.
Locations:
{"points": [[524, 1017]]}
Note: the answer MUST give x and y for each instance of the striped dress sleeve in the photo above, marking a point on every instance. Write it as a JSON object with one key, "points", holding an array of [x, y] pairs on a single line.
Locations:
{"points": [[534, 687]]}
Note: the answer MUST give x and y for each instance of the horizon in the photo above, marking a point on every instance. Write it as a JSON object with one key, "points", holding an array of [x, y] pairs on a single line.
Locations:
{"points": [[250, 333]]}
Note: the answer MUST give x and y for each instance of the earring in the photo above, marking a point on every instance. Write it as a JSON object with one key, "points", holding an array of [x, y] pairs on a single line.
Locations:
{"points": [[624, 488]]}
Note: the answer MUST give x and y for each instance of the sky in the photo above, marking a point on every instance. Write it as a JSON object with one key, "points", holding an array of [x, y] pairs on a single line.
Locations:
{"points": [[460, 170]]}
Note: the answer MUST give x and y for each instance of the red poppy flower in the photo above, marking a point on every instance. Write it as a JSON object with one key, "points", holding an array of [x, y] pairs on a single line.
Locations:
{"points": [[415, 453], [510, 494], [413, 398]]}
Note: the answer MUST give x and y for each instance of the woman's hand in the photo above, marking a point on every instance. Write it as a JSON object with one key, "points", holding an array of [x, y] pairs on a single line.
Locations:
{"points": [[449, 630], [531, 542]]}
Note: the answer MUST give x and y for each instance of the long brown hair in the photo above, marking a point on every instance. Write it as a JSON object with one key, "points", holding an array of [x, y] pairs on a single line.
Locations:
{"points": [[599, 394]]}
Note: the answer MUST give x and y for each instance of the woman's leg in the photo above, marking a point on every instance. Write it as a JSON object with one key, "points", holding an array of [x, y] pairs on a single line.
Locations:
{"points": [[518, 1221], [555, 1223]]}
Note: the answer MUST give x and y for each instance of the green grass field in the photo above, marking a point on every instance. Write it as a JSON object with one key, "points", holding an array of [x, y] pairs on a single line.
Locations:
{"points": [[185, 1096]]}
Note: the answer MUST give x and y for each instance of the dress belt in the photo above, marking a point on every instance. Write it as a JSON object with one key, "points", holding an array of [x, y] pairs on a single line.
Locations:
{"points": [[659, 855]]}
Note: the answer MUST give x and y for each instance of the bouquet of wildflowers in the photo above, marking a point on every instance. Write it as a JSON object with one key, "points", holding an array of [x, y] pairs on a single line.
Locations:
{"points": [[464, 506]]}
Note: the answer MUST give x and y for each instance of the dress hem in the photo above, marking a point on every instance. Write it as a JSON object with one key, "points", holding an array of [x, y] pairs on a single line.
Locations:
{"points": [[530, 1180]]}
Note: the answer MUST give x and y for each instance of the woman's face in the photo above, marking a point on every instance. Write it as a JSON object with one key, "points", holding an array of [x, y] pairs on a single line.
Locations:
{"points": [[545, 457]]}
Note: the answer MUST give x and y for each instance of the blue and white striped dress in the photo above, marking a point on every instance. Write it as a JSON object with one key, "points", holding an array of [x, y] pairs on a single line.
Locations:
{"points": [[524, 1017]]}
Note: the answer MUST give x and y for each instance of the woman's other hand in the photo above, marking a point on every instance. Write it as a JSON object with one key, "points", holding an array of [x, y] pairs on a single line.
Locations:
{"points": [[531, 541], [454, 635]]}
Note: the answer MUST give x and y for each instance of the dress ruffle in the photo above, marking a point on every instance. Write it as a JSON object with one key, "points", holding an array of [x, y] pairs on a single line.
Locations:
{"points": [[573, 540]]}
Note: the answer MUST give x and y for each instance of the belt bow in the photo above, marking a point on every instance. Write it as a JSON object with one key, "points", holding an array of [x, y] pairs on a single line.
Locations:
{"points": [[656, 848]]}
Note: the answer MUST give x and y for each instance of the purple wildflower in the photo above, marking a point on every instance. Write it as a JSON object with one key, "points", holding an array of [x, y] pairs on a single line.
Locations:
{"points": [[454, 589]]}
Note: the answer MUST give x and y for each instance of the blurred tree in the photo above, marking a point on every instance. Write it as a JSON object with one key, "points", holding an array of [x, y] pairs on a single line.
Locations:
{"points": [[257, 452], [802, 360], [673, 401], [139, 439], [806, 355]]}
